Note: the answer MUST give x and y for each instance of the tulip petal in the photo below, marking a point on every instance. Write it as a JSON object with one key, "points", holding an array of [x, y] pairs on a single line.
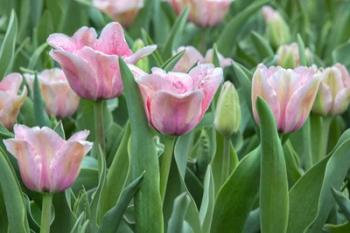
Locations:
{"points": [[189, 59], [341, 101], [80, 75], [324, 100], [112, 41], [299, 105], [175, 114], [11, 83], [29, 163], [141, 53], [79, 136]]}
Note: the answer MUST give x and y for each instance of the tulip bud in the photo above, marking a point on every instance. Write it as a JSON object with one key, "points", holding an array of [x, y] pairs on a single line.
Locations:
{"points": [[123, 11], [228, 112], [288, 55], [333, 96], [277, 29]]}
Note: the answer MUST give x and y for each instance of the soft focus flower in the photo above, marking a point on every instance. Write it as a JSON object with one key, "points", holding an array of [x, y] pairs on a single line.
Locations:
{"points": [[176, 102], [60, 100], [288, 55], [290, 93], [228, 111], [333, 95], [90, 64], [204, 13], [123, 11], [10, 100], [192, 56], [277, 29], [47, 163]]}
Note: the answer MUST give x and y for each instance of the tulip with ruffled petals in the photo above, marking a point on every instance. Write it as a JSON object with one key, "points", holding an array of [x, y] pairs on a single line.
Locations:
{"points": [[90, 64], [333, 96], [123, 11], [289, 93], [10, 101], [60, 100], [204, 13], [192, 56], [176, 102], [47, 163]]}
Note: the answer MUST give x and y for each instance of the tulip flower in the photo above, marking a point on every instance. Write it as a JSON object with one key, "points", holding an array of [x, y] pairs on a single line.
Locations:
{"points": [[277, 29], [204, 13], [90, 64], [176, 102], [289, 93], [47, 163], [288, 55], [333, 96], [10, 100], [192, 56], [123, 11], [60, 100]]}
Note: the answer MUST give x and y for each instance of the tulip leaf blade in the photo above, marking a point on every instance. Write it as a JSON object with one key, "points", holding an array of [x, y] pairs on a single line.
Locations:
{"points": [[229, 35], [262, 45], [12, 196], [8, 45], [113, 217], [341, 54], [143, 158], [41, 117], [36, 56], [237, 195], [274, 201], [343, 202], [177, 219], [175, 32], [171, 62], [301, 48]]}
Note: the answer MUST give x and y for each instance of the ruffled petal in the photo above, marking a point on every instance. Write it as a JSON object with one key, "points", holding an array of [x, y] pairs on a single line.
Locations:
{"points": [[141, 53]]}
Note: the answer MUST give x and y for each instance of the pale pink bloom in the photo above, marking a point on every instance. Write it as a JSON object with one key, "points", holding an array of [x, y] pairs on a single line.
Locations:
{"points": [[60, 100], [290, 93], [333, 96], [123, 11], [176, 102], [47, 163], [204, 13], [10, 100], [90, 64], [192, 56]]}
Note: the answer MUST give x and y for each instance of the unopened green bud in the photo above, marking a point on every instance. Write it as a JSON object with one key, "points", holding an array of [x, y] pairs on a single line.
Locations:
{"points": [[144, 62], [277, 29], [228, 111]]}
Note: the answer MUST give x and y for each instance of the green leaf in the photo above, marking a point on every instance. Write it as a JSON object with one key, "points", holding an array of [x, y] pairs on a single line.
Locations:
{"points": [[336, 170], [176, 221], [230, 33], [8, 45], [36, 56], [113, 217], [12, 196], [41, 117], [237, 196], [343, 202], [342, 54], [171, 62], [261, 45], [274, 201], [342, 228], [143, 158], [116, 176], [301, 47], [175, 33], [208, 201]]}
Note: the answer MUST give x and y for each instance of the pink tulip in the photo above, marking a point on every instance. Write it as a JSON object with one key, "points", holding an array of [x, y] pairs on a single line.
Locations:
{"points": [[192, 56], [333, 96], [288, 55], [176, 102], [204, 13], [60, 100], [123, 11], [90, 64], [10, 101], [47, 163], [289, 93]]}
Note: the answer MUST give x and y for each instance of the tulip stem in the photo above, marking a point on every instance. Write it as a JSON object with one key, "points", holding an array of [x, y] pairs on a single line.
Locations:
{"points": [[99, 124], [165, 164], [319, 136], [46, 213], [226, 160]]}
